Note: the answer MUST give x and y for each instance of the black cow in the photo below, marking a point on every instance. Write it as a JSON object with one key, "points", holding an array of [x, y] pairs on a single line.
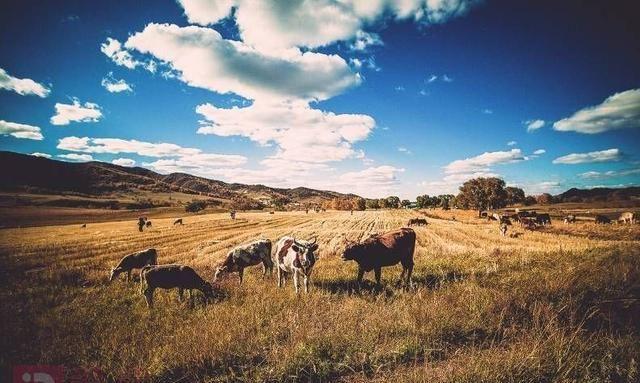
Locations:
{"points": [[543, 219], [171, 277], [602, 219]]}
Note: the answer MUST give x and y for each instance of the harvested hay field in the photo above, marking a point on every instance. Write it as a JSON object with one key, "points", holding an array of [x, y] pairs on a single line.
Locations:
{"points": [[546, 306]]}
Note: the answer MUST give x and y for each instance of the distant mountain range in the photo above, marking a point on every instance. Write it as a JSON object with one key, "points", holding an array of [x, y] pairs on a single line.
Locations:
{"points": [[599, 194], [37, 175]]}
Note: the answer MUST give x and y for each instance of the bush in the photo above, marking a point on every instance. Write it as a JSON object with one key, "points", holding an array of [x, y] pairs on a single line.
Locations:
{"points": [[195, 206]]}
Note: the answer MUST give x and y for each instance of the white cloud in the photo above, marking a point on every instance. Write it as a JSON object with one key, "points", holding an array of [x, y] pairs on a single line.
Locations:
{"points": [[202, 58], [446, 78], [399, 88], [76, 112], [22, 86], [619, 111], [511, 143], [487, 111], [115, 86], [485, 160], [539, 152], [583, 158], [450, 183], [533, 125], [370, 182], [113, 49], [128, 162], [432, 78], [300, 132], [77, 157], [609, 174], [205, 12], [16, 130], [404, 150], [364, 40], [543, 187], [147, 149], [43, 155]]}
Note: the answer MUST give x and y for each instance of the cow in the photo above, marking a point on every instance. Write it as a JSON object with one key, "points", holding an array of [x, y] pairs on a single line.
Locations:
{"points": [[570, 219], [177, 221], [148, 224], [84, 225], [134, 261], [383, 250], [603, 219], [503, 229], [543, 219], [272, 212], [528, 223], [246, 255], [629, 217], [297, 257], [496, 217], [171, 277], [417, 222], [504, 220], [232, 214], [141, 223]]}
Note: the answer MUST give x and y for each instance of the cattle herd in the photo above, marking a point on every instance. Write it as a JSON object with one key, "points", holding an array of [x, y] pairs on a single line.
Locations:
{"points": [[292, 256]]}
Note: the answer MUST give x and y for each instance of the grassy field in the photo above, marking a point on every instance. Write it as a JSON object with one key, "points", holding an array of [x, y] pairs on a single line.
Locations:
{"points": [[562, 304]]}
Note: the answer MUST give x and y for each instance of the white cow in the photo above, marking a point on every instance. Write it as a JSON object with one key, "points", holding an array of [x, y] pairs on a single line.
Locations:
{"points": [[297, 257]]}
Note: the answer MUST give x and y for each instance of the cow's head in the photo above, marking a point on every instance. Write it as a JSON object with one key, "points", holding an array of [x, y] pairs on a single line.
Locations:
{"points": [[207, 289], [114, 273], [351, 250], [220, 270], [305, 253]]}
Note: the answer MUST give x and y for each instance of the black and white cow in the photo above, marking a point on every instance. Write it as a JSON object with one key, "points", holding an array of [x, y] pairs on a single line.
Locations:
{"points": [[249, 254], [297, 257]]}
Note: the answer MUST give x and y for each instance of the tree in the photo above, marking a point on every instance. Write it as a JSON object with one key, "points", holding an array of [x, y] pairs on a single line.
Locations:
{"points": [[373, 204], [195, 206], [444, 200], [514, 195], [405, 203], [529, 200], [393, 202], [482, 194], [360, 204], [544, 199], [422, 201]]}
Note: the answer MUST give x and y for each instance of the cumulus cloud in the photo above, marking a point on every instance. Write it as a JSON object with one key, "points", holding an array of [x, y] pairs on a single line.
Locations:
{"points": [[202, 58], [76, 112], [512, 143], [22, 86], [619, 111], [451, 182], [300, 132], [402, 149], [128, 162], [487, 111], [610, 174], [484, 161], [77, 157], [583, 158], [370, 182], [43, 155], [115, 86], [113, 49], [533, 125], [539, 152], [16, 130], [364, 40]]}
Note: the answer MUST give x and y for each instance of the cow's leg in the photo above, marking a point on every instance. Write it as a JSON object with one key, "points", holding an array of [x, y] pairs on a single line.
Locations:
{"points": [[148, 296], [295, 280], [129, 276], [240, 274], [306, 281], [360, 275], [180, 293], [378, 273], [409, 272], [279, 277], [404, 271]]}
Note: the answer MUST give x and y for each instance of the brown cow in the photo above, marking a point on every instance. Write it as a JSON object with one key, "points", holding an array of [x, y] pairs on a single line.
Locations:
{"points": [[417, 222], [170, 277], [382, 250]]}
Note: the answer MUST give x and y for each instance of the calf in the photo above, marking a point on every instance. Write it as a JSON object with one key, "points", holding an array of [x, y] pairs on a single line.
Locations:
{"points": [[134, 261], [171, 277], [297, 257], [178, 221], [383, 250], [247, 255]]}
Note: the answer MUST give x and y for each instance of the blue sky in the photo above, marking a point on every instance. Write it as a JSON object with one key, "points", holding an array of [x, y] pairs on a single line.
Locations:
{"points": [[376, 97]]}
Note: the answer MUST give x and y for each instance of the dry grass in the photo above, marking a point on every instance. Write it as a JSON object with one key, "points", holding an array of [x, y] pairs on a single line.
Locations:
{"points": [[541, 307]]}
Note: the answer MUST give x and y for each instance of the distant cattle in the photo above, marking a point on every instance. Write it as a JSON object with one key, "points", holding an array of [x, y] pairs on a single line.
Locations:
{"points": [[383, 250], [505, 220], [503, 229], [171, 277], [629, 217], [141, 223], [148, 224], [246, 255], [543, 219], [569, 219], [83, 225], [134, 261], [602, 219], [530, 223], [232, 214], [417, 222], [178, 221], [272, 212], [297, 257], [484, 214]]}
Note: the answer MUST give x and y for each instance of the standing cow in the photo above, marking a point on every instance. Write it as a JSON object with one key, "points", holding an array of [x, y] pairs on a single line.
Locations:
{"points": [[503, 229], [629, 217], [297, 257], [602, 219], [246, 255], [383, 250]]}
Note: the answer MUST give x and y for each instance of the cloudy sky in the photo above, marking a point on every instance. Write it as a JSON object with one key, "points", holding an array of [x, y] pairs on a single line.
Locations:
{"points": [[375, 97]]}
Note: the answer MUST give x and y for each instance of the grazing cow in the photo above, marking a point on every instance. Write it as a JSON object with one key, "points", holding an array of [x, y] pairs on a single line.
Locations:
{"points": [[503, 229], [570, 219], [382, 250], [134, 261], [629, 217], [148, 224], [297, 257], [247, 255], [171, 277], [177, 221], [602, 219], [526, 214], [528, 222], [83, 225], [232, 214], [141, 222], [504, 220], [417, 222], [543, 219], [272, 212]]}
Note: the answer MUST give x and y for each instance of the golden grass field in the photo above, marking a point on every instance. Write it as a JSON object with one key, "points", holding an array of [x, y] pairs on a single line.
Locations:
{"points": [[560, 305]]}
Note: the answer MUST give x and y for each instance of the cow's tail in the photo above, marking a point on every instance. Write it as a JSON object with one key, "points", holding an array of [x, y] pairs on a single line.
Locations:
{"points": [[270, 248]]}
